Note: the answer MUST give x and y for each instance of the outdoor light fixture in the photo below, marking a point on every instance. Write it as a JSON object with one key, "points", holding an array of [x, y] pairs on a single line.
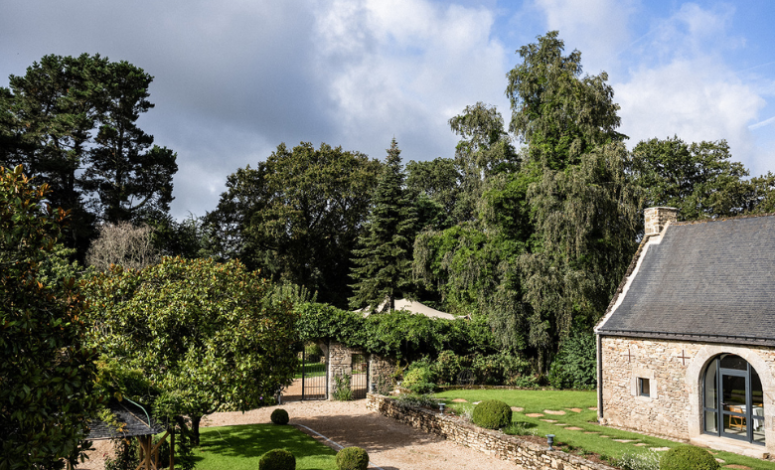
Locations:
{"points": [[550, 439], [373, 387], [441, 407]]}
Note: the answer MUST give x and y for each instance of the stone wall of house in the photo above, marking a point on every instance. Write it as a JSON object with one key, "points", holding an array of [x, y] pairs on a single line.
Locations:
{"points": [[526, 455], [655, 218], [675, 370]]}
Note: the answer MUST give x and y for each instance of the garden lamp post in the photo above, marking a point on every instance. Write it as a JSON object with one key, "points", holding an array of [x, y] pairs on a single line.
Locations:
{"points": [[550, 440]]}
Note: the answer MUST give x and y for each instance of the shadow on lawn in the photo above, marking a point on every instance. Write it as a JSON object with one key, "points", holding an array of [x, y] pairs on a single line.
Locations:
{"points": [[254, 440]]}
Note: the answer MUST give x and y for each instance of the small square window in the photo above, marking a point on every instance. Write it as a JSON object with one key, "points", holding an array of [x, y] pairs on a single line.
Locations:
{"points": [[644, 387]]}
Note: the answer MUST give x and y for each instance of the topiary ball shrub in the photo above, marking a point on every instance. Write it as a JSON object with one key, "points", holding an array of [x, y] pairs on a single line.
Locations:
{"points": [[352, 458], [688, 458], [279, 416], [492, 414], [277, 459]]}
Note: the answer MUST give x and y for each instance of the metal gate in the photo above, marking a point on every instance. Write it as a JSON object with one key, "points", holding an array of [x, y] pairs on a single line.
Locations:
{"points": [[360, 376], [311, 381]]}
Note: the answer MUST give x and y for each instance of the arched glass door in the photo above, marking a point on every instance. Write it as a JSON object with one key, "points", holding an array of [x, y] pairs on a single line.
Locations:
{"points": [[733, 402]]}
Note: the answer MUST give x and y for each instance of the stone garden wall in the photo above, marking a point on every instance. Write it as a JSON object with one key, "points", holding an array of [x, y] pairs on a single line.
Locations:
{"points": [[526, 455]]}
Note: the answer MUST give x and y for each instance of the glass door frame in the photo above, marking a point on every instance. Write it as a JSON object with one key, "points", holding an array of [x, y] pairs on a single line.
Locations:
{"points": [[719, 409]]}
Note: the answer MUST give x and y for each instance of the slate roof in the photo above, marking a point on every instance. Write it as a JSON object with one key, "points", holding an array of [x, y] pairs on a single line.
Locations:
{"points": [[710, 281], [137, 423]]}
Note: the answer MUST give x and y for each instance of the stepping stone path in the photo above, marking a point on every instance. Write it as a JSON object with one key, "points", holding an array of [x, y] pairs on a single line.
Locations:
{"points": [[624, 440], [554, 412], [640, 444], [592, 408], [591, 432], [517, 408], [720, 461], [476, 402], [549, 420], [574, 428], [741, 467], [604, 437], [560, 424], [575, 410], [459, 400], [659, 449], [534, 415]]}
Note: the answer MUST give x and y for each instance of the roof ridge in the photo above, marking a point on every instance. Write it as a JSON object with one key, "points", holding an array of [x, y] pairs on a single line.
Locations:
{"points": [[723, 219]]}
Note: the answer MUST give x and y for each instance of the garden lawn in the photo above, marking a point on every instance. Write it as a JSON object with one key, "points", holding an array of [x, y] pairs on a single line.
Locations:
{"points": [[314, 369], [537, 401], [241, 447]]}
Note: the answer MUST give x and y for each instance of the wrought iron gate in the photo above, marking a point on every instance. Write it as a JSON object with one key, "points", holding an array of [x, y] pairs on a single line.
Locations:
{"points": [[311, 381], [360, 376]]}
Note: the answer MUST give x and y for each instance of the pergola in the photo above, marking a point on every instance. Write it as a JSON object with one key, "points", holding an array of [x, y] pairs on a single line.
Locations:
{"points": [[136, 422]]}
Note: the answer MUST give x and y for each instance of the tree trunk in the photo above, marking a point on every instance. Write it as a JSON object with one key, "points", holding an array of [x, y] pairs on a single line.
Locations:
{"points": [[195, 420]]}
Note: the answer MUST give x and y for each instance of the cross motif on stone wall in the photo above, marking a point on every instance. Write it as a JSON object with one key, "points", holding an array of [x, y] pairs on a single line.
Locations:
{"points": [[683, 357], [629, 356]]}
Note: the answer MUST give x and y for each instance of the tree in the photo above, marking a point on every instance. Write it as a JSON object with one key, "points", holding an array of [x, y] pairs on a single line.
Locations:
{"points": [[72, 123], [47, 372], [50, 114], [207, 336], [558, 113], [383, 261], [699, 179], [129, 175], [297, 216], [124, 244]]}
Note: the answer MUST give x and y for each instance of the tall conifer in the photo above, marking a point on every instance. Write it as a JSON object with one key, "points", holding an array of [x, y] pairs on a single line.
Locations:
{"points": [[383, 263]]}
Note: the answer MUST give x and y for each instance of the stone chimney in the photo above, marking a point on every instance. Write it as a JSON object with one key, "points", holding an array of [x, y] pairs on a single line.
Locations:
{"points": [[658, 217]]}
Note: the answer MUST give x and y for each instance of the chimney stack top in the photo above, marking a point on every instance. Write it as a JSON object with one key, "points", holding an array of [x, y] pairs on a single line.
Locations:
{"points": [[656, 218]]}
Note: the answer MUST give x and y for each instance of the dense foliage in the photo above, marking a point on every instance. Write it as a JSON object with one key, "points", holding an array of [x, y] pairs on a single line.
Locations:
{"points": [[72, 121], [383, 259], [396, 334], [575, 365], [204, 336], [46, 371], [352, 458], [688, 458], [297, 216], [492, 414]]}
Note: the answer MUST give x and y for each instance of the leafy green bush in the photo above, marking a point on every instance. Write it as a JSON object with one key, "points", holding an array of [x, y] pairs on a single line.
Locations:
{"points": [[635, 461], [688, 458], [312, 351], [492, 414], [279, 416], [352, 458], [420, 378], [343, 390], [418, 400], [277, 459], [575, 365]]}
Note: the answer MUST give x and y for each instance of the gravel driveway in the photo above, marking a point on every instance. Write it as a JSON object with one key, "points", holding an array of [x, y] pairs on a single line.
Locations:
{"points": [[391, 445]]}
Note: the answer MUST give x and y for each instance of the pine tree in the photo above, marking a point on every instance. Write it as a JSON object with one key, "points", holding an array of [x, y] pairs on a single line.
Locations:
{"points": [[383, 263]]}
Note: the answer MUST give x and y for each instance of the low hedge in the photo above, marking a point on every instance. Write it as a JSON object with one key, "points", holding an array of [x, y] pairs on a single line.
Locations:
{"points": [[279, 416]]}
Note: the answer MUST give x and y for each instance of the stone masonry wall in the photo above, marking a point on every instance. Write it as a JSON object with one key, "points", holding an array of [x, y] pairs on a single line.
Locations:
{"points": [[656, 218], [527, 455], [381, 368], [340, 363], [675, 370]]}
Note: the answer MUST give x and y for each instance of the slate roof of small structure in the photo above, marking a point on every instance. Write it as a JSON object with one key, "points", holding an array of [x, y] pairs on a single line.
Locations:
{"points": [[710, 281], [137, 423]]}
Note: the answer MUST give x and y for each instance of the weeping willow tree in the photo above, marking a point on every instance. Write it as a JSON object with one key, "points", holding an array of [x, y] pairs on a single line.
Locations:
{"points": [[555, 228]]}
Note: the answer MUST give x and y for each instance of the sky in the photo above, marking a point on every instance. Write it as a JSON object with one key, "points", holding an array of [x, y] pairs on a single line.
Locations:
{"points": [[233, 79]]}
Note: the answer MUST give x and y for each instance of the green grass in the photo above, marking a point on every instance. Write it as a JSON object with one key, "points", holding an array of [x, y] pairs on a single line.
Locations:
{"points": [[241, 447], [536, 401], [314, 369]]}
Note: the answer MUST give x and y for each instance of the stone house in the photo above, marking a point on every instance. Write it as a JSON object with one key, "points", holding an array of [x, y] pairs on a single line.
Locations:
{"points": [[686, 348]]}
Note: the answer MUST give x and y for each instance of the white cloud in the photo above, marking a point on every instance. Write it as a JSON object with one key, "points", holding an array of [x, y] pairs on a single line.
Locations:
{"points": [[684, 87], [405, 67], [598, 28]]}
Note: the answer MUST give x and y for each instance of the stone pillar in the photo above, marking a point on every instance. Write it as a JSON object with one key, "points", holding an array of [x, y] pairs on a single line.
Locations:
{"points": [[657, 217], [380, 368], [339, 364]]}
